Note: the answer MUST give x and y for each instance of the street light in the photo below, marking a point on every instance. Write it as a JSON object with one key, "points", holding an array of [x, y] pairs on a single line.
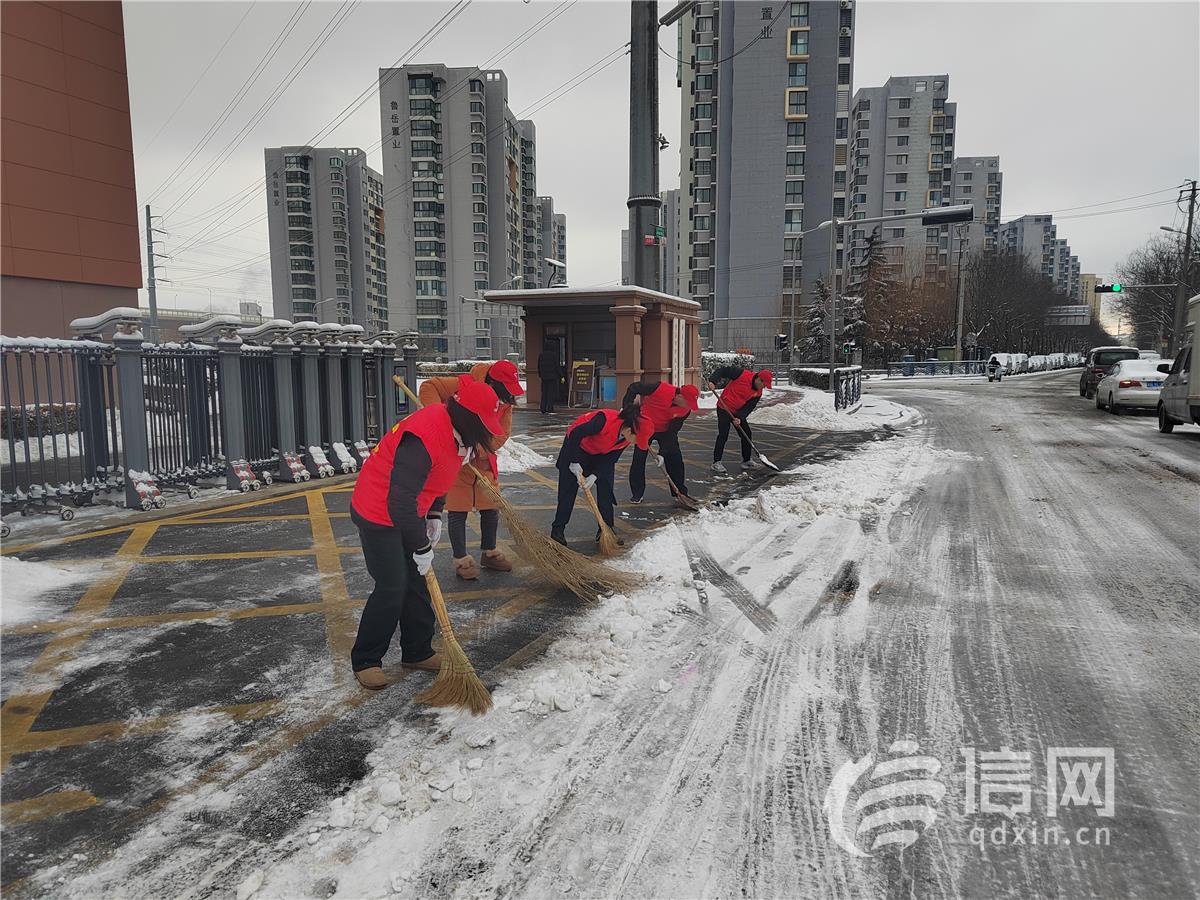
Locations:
{"points": [[555, 267]]}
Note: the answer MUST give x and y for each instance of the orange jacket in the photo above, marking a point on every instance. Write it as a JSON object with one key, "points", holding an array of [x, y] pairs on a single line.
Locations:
{"points": [[464, 495]]}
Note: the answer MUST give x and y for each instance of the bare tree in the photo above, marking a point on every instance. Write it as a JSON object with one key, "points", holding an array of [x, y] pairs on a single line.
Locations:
{"points": [[1150, 311]]}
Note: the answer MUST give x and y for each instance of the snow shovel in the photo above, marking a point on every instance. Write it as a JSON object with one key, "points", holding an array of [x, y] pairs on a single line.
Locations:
{"points": [[679, 495], [608, 540], [761, 456], [456, 683]]}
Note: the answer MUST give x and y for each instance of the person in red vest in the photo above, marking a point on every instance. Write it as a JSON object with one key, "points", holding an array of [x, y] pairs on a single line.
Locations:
{"points": [[742, 391], [666, 407], [593, 444], [397, 506]]}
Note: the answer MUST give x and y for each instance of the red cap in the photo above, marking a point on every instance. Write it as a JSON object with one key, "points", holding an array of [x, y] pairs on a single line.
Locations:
{"points": [[767, 377], [480, 399], [506, 373], [691, 394]]}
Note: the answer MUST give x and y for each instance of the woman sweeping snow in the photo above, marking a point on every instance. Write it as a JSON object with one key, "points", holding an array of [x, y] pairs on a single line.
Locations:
{"points": [[593, 444], [396, 504], [742, 391]]}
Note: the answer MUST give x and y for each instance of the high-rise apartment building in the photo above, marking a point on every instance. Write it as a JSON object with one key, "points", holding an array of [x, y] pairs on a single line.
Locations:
{"points": [[1087, 293], [976, 180], [902, 158], [1032, 237], [765, 125], [456, 179], [325, 226], [553, 241], [531, 208]]}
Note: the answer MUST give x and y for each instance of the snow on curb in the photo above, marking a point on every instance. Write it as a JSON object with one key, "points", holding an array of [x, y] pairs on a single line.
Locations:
{"points": [[23, 585], [516, 456]]}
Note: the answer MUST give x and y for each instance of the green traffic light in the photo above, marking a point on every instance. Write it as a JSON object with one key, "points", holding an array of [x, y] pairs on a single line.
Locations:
{"points": [[1116, 288]]}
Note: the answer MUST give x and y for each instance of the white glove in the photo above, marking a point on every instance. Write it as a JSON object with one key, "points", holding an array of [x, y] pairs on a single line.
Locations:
{"points": [[433, 530], [659, 461], [588, 482], [424, 561], [576, 469]]}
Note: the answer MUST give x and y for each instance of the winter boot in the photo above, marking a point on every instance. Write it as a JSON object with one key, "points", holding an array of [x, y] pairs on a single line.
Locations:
{"points": [[719, 469], [465, 568], [372, 679], [431, 664], [559, 535], [496, 561]]}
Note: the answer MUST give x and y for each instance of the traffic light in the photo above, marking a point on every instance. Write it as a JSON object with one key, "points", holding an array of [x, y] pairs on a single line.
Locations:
{"points": [[781, 341], [846, 348], [1107, 289], [948, 215]]}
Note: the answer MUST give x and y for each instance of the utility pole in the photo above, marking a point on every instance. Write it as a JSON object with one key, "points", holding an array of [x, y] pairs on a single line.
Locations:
{"points": [[644, 202], [834, 224], [1184, 280], [958, 340], [151, 281]]}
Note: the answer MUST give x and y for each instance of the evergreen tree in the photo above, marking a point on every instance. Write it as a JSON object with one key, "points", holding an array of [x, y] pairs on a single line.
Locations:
{"points": [[814, 345]]}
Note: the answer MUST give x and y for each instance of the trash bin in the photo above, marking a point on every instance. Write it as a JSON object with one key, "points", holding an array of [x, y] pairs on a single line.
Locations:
{"points": [[931, 365], [908, 360]]}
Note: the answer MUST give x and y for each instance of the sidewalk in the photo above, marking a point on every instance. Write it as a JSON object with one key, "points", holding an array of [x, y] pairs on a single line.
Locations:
{"points": [[208, 650]]}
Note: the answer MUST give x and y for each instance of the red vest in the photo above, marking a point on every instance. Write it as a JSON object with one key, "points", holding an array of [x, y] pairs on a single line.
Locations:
{"points": [[656, 407], [432, 427], [609, 438], [739, 392]]}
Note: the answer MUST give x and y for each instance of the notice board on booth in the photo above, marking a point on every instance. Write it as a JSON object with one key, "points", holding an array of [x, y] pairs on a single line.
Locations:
{"points": [[583, 383]]}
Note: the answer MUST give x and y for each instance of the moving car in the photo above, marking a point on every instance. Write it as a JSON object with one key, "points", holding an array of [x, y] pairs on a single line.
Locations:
{"points": [[1130, 384], [1099, 361], [1179, 399]]}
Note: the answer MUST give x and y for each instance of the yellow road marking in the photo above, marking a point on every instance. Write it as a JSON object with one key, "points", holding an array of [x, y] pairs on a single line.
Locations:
{"points": [[340, 622], [21, 812]]}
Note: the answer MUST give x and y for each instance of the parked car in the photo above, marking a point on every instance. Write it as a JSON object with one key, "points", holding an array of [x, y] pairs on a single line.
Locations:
{"points": [[1149, 354], [1130, 384], [1099, 361], [1179, 399]]}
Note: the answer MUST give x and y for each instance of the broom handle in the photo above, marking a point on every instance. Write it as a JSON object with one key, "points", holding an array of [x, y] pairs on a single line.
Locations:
{"points": [[721, 403], [677, 491], [591, 501], [439, 605], [411, 396]]}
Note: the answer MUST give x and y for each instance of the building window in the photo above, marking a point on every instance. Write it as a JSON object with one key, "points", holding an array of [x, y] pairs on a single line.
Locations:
{"points": [[792, 246], [900, 196], [798, 41], [335, 162], [844, 72], [704, 167], [703, 195], [966, 189], [704, 23], [478, 187], [795, 163], [704, 82], [902, 140], [797, 74], [476, 86], [793, 192], [902, 159], [479, 227], [703, 138], [902, 122], [798, 15], [901, 178], [700, 223], [795, 134], [481, 265], [793, 220], [841, 129], [797, 102], [702, 250], [704, 111], [304, 293], [921, 86], [904, 102], [477, 147], [704, 53], [481, 247]]}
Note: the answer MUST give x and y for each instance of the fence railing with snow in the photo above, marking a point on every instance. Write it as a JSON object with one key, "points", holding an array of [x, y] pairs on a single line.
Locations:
{"points": [[231, 405]]}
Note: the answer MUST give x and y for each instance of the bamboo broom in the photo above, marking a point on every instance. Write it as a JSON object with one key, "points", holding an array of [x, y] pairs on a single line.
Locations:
{"points": [[582, 575], [608, 540], [456, 683], [679, 495]]}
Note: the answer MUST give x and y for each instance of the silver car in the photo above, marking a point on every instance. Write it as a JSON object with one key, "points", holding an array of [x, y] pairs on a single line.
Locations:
{"points": [[1130, 384]]}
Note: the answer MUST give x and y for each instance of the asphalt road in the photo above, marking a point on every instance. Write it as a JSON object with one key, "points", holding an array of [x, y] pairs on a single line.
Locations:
{"points": [[1045, 594]]}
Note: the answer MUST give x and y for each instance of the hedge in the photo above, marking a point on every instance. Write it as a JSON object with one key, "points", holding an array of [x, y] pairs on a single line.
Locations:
{"points": [[58, 418], [710, 362]]}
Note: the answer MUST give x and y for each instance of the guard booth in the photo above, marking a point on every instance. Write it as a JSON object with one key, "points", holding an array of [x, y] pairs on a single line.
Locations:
{"points": [[607, 339]]}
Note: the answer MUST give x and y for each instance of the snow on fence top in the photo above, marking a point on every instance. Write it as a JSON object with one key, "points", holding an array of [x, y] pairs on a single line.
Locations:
{"points": [[24, 343], [119, 315]]}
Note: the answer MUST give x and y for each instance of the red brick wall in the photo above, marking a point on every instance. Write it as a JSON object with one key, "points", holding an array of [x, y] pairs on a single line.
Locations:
{"points": [[68, 207]]}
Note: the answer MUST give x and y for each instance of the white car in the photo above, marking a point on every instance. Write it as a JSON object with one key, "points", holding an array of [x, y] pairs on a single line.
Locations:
{"points": [[1130, 383]]}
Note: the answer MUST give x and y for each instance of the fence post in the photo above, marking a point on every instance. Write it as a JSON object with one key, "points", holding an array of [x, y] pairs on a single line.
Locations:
{"points": [[358, 418], [333, 392], [281, 360], [127, 348], [233, 423], [310, 352], [92, 425], [387, 388]]}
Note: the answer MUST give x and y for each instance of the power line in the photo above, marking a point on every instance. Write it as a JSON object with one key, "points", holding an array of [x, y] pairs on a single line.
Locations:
{"points": [[1047, 212]]}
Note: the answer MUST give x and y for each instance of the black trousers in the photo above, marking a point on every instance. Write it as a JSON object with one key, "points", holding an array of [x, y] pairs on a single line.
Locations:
{"points": [[400, 599], [668, 448], [605, 470], [489, 522], [724, 421], [549, 394]]}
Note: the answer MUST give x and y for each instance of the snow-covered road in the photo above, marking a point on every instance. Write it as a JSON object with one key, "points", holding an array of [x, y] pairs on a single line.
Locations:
{"points": [[1012, 573]]}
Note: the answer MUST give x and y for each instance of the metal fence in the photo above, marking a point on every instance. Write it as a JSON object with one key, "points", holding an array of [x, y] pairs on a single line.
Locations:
{"points": [[59, 434], [935, 367], [231, 406], [847, 390]]}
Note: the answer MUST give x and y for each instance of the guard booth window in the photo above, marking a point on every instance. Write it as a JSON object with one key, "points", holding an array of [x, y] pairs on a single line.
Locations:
{"points": [[595, 340]]}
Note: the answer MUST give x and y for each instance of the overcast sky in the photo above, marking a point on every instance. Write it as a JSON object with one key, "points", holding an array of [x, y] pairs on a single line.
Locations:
{"points": [[1083, 102]]}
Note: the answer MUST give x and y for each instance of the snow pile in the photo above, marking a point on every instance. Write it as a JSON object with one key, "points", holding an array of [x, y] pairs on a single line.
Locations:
{"points": [[515, 456], [793, 408], [22, 585]]}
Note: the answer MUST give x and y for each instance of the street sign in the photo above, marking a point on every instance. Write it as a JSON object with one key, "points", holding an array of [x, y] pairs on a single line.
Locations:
{"points": [[659, 231], [970, 339], [649, 241]]}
